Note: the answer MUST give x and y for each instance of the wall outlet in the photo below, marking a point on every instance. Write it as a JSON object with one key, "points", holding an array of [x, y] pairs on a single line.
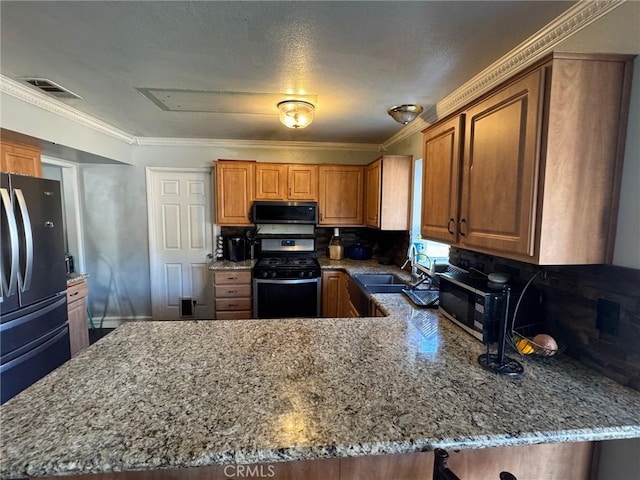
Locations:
{"points": [[607, 317]]}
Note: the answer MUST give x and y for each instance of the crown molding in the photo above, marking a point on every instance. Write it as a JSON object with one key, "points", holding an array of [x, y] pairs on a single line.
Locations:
{"points": [[573, 20], [265, 144], [40, 100]]}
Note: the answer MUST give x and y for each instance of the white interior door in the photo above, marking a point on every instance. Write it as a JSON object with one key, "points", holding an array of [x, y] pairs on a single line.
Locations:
{"points": [[180, 242]]}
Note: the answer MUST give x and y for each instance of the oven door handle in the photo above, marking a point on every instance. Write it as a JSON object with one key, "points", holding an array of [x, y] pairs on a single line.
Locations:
{"points": [[279, 280]]}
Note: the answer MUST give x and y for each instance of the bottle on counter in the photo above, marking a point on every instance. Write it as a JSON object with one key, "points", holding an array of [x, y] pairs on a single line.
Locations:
{"points": [[336, 248]]}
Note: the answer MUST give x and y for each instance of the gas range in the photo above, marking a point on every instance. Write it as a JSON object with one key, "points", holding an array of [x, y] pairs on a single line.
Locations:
{"points": [[287, 278], [287, 267], [287, 257]]}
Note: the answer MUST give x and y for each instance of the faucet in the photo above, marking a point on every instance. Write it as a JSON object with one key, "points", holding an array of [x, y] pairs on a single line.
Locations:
{"points": [[423, 277], [412, 256]]}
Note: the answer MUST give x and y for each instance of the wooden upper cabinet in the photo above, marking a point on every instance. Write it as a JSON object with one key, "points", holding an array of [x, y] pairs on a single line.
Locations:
{"points": [[18, 158], [280, 181], [388, 192], [542, 163], [441, 162], [497, 210], [341, 194], [302, 182], [234, 192], [372, 185], [270, 181]]}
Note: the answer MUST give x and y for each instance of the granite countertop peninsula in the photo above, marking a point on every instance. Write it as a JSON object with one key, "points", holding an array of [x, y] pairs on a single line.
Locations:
{"points": [[193, 393]]}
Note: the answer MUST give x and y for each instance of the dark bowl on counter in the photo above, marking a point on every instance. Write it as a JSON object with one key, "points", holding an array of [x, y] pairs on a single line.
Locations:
{"points": [[359, 252]]}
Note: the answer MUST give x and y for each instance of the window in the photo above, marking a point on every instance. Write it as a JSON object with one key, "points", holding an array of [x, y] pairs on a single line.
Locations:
{"points": [[428, 251]]}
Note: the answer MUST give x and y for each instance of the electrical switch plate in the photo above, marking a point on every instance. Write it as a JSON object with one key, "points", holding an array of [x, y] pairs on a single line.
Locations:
{"points": [[607, 316]]}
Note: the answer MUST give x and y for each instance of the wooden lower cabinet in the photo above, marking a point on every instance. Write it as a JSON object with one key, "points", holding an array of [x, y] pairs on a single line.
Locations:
{"points": [[376, 311], [559, 461], [78, 318], [335, 297], [232, 294]]}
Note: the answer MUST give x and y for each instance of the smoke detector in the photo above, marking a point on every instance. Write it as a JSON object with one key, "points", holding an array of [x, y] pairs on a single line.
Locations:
{"points": [[50, 87]]}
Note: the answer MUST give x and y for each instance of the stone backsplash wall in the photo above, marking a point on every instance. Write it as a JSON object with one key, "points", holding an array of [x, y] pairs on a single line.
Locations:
{"points": [[391, 244], [595, 308]]}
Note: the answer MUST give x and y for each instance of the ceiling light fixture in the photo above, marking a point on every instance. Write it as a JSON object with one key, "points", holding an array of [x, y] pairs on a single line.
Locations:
{"points": [[296, 113], [405, 113]]}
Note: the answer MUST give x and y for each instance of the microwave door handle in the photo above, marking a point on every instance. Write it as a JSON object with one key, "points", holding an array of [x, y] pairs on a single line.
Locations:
{"points": [[28, 236], [9, 284]]}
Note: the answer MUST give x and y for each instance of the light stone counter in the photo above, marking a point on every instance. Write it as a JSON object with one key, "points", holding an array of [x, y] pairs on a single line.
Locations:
{"points": [[176, 394], [229, 265], [75, 278]]}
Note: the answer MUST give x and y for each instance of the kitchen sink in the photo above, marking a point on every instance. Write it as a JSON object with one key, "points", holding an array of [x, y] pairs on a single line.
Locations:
{"points": [[380, 282], [389, 288], [362, 285], [368, 279]]}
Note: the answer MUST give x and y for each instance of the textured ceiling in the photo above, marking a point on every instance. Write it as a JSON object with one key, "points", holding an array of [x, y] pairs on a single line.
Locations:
{"points": [[355, 59]]}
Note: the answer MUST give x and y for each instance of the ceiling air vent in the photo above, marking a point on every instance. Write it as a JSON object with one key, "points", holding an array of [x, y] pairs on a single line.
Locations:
{"points": [[50, 87]]}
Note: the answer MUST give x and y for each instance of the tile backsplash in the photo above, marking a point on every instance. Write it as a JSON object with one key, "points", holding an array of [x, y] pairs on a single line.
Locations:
{"points": [[392, 244], [596, 309]]}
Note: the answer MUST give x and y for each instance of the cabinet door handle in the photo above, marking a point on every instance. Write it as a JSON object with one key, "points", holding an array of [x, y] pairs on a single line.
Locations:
{"points": [[462, 222], [451, 221], [290, 189], [320, 216], [232, 291]]}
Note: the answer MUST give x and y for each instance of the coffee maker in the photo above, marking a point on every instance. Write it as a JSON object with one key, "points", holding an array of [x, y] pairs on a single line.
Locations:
{"points": [[236, 249]]}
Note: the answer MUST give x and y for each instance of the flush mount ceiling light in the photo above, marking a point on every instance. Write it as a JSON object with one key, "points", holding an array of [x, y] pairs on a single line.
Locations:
{"points": [[405, 113], [296, 113]]}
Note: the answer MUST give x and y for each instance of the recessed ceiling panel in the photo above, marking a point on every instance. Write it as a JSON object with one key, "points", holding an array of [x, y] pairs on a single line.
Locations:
{"points": [[179, 100]]}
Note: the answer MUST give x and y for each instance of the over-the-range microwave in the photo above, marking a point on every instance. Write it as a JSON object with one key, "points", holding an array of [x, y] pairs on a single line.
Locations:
{"points": [[284, 212]]}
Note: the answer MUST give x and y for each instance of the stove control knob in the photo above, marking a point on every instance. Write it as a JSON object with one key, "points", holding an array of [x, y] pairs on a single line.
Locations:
{"points": [[301, 275], [273, 274], [263, 274]]}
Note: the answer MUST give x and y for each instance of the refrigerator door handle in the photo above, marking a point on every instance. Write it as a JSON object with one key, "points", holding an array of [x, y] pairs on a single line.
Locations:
{"points": [[25, 282], [8, 285]]}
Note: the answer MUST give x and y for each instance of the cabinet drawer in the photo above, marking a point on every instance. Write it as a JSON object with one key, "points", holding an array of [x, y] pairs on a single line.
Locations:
{"points": [[233, 304], [222, 291], [232, 277], [77, 292], [231, 315]]}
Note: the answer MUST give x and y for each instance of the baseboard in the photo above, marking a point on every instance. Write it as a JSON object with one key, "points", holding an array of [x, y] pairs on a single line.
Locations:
{"points": [[115, 322]]}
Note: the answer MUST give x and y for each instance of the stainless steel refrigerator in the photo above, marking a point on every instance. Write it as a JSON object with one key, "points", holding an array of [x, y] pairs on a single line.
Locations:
{"points": [[34, 334]]}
